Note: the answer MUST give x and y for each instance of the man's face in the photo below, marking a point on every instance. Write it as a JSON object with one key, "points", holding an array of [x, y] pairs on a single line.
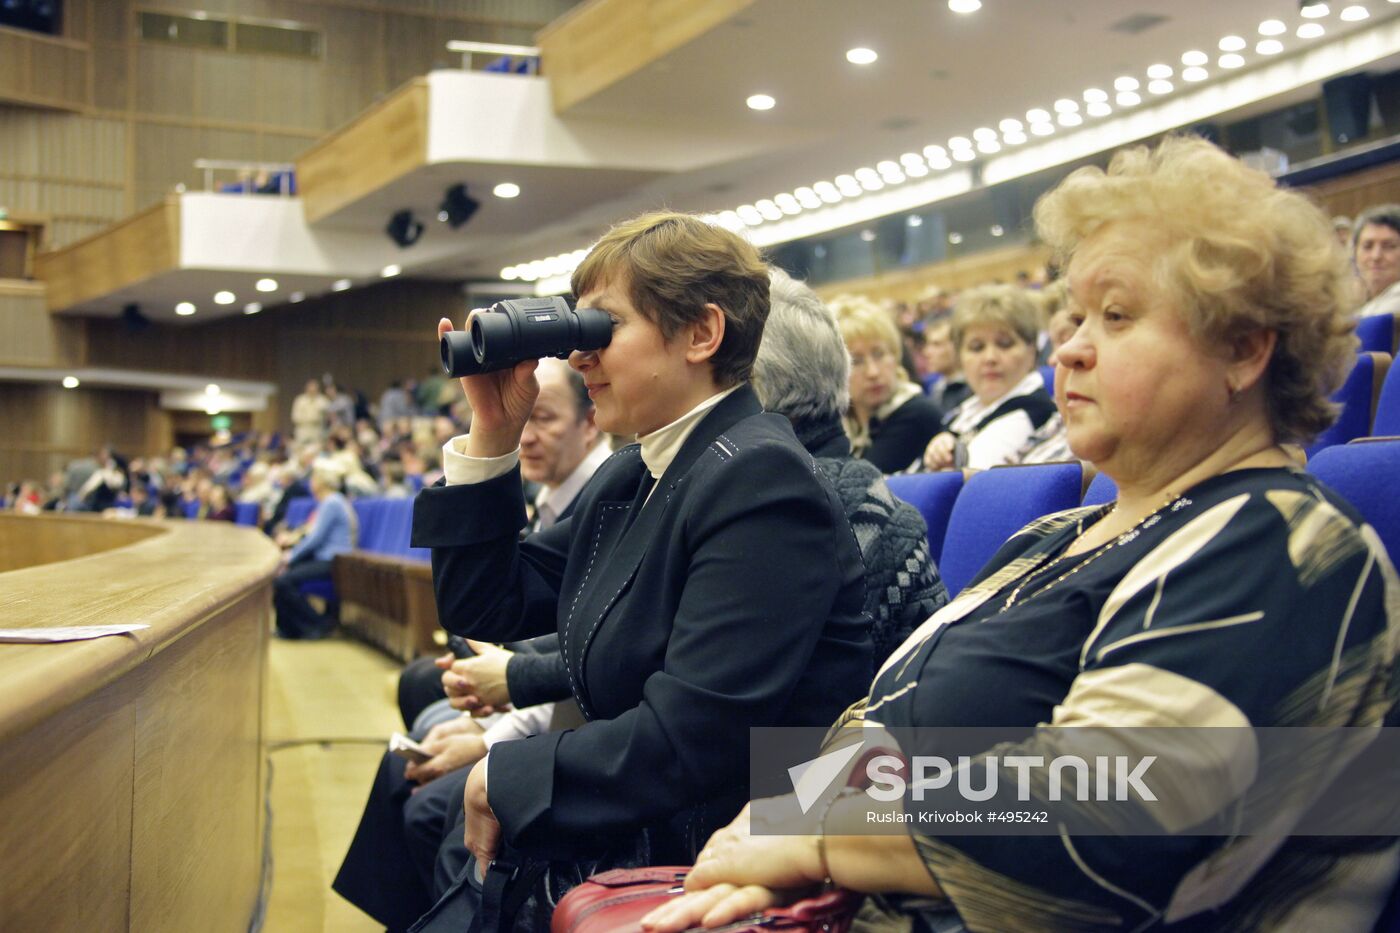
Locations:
{"points": [[557, 437], [1378, 257]]}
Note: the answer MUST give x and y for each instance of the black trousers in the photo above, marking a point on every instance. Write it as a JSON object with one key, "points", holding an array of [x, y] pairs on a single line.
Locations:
{"points": [[296, 618]]}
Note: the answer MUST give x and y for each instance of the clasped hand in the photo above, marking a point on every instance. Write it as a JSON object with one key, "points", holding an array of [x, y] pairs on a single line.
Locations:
{"points": [[477, 685]]}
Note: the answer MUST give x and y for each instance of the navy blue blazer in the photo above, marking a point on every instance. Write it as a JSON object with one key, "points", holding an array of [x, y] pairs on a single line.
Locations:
{"points": [[732, 598]]}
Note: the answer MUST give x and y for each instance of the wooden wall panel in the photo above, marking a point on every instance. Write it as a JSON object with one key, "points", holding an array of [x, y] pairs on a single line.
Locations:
{"points": [[46, 426], [231, 348], [30, 336], [44, 71], [1354, 193], [952, 275]]}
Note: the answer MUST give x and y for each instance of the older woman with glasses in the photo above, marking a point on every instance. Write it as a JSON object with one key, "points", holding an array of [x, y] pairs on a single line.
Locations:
{"points": [[1225, 588]]}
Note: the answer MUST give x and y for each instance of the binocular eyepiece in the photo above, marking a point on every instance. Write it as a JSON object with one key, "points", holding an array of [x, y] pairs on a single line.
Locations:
{"points": [[523, 329]]}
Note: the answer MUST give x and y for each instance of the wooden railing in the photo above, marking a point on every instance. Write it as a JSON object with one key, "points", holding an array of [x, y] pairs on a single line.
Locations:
{"points": [[44, 71]]}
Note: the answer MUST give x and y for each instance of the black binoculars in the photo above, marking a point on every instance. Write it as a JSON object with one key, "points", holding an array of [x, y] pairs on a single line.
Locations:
{"points": [[523, 329]]}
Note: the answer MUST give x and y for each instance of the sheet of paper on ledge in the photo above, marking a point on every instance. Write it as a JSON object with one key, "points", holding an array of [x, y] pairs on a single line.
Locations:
{"points": [[67, 632]]}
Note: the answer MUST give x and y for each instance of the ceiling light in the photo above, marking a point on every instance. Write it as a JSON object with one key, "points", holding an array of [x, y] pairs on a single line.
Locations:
{"points": [[1315, 10], [1269, 47], [1042, 129], [933, 153], [917, 171], [955, 238], [1310, 31], [959, 142], [911, 158], [296, 297], [1125, 83], [212, 389], [989, 146], [1014, 139], [862, 174], [1128, 99], [760, 102], [267, 285], [510, 273], [71, 382], [888, 167], [964, 155], [1096, 96], [997, 230], [749, 215], [1231, 61], [940, 164], [868, 235], [1272, 27], [1194, 74], [805, 196], [769, 209], [915, 220], [1354, 14], [1160, 72], [1160, 86], [870, 183], [340, 285], [1099, 109], [1010, 125], [787, 204], [506, 189], [827, 192], [184, 309], [1232, 44], [848, 185], [861, 56], [390, 271], [1070, 119], [224, 298], [1037, 116], [1194, 58], [252, 307], [964, 6], [1065, 105], [983, 133]]}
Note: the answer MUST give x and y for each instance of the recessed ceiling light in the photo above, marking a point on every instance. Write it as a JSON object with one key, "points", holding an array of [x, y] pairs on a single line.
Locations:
{"points": [[872, 183], [1160, 86], [212, 389], [997, 230], [1014, 139], [787, 204], [252, 307], [1065, 105], [1128, 99], [1194, 74], [861, 174], [1096, 96], [749, 215], [955, 238], [185, 309], [989, 146], [827, 192], [861, 56], [1126, 83], [935, 152], [71, 382], [296, 297], [768, 209], [224, 298], [964, 6], [917, 171], [267, 285], [805, 196], [1070, 119], [915, 220], [760, 102], [510, 273], [911, 158], [1272, 27], [1231, 61], [1269, 47], [1232, 44], [340, 285], [984, 132], [1315, 10], [1037, 116], [964, 155], [390, 271], [1042, 129], [1310, 31], [1010, 125], [506, 189], [1194, 58], [1099, 109], [959, 142], [868, 235], [1160, 72], [1354, 13]]}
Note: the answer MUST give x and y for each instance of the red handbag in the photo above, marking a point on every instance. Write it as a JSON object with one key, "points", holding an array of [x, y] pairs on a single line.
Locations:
{"points": [[616, 901]]}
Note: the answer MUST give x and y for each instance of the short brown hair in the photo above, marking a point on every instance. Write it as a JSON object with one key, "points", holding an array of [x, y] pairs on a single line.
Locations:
{"points": [[1009, 306], [675, 264]]}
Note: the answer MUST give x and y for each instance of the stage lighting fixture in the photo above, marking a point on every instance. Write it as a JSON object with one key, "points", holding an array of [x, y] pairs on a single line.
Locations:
{"points": [[403, 229], [457, 206]]}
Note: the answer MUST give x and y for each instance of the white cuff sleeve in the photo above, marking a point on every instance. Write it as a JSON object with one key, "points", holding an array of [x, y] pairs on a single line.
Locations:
{"points": [[461, 469], [517, 724]]}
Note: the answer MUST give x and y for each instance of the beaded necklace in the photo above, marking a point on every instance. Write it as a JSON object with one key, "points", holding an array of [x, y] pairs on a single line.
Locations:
{"points": [[1173, 503]]}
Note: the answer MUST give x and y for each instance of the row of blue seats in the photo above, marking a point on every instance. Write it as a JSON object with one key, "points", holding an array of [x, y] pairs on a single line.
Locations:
{"points": [[386, 525], [968, 520]]}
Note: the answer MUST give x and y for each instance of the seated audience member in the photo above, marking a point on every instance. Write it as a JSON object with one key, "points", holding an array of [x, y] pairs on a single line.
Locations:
{"points": [[309, 414], [890, 419], [220, 505], [330, 530], [1059, 325], [100, 489], [941, 359], [1224, 588], [677, 638], [1376, 252], [1009, 414], [801, 372]]}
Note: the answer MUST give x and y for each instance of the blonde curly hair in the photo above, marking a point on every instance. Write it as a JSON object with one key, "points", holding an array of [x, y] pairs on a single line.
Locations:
{"points": [[1241, 254]]}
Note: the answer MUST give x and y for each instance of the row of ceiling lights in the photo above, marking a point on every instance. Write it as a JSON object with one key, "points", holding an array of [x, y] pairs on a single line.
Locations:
{"points": [[1068, 113], [187, 308]]}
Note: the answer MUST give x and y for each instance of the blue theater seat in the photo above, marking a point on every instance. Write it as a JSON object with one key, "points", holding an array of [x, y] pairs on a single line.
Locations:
{"points": [[298, 510], [1357, 397], [933, 494], [1377, 333], [1101, 491], [191, 509], [246, 513], [1047, 375], [1387, 421], [994, 505], [1364, 474]]}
